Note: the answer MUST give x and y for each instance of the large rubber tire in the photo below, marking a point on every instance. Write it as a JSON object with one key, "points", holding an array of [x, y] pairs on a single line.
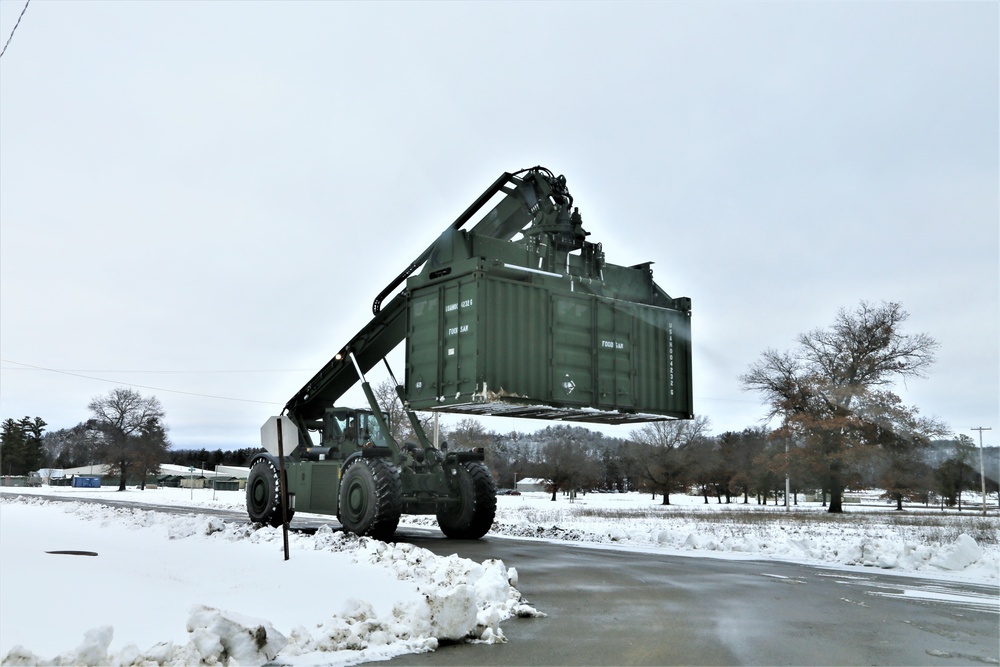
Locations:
{"points": [[473, 518], [371, 498], [264, 494]]}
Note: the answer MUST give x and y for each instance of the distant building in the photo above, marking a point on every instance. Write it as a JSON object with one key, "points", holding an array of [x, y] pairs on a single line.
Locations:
{"points": [[529, 484], [170, 475], [224, 478], [94, 469], [46, 475]]}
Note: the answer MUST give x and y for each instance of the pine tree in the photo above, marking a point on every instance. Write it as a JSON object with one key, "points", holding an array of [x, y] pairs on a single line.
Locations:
{"points": [[21, 450]]}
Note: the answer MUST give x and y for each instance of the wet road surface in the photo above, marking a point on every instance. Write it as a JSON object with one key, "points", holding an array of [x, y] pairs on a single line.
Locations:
{"points": [[611, 607]]}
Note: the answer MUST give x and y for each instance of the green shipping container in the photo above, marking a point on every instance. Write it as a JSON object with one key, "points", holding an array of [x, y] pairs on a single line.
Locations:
{"points": [[526, 343]]}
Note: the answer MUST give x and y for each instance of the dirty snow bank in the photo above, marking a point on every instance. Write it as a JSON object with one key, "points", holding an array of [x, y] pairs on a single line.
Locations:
{"points": [[869, 538], [182, 589]]}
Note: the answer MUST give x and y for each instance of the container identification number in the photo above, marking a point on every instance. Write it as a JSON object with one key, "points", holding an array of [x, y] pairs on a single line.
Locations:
{"points": [[670, 344], [451, 307]]}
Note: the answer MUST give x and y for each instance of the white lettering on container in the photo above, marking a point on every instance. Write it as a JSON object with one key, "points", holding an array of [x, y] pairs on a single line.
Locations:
{"points": [[670, 343]]}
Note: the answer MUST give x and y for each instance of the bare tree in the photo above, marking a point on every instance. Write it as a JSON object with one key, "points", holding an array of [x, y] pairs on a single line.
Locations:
{"points": [[741, 453], [902, 438], [704, 466], [567, 460], [657, 453], [150, 449], [503, 457], [470, 433], [395, 415], [957, 473], [820, 390], [126, 416]]}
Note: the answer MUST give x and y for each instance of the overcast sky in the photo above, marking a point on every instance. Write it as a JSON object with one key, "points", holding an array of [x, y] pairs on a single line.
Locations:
{"points": [[201, 199]]}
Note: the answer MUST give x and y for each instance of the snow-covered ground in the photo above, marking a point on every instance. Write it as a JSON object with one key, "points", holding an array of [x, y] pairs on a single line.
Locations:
{"points": [[182, 588], [870, 533]]}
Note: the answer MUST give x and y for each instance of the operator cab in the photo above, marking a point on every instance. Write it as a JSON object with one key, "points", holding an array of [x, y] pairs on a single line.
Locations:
{"points": [[347, 430]]}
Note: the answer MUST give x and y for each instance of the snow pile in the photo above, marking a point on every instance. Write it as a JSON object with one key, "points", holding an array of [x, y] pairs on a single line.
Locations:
{"points": [[217, 637], [809, 535], [340, 600], [460, 599], [961, 556]]}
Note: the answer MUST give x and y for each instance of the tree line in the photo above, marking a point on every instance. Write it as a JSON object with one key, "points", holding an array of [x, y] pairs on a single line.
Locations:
{"points": [[671, 457], [659, 458], [126, 431]]}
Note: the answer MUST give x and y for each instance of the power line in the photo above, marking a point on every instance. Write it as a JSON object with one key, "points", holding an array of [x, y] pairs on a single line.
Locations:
{"points": [[140, 386], [15, 28], [150, 371]]}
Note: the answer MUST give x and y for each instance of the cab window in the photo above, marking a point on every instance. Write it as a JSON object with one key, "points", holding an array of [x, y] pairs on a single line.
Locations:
{"points": [[373, 431]]}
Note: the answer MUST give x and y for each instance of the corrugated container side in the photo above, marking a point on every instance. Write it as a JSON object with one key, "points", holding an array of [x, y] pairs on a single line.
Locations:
{"points": [[573, 350], [517, 346], [482, 338], [663, 341], [615, 351], [422, 343]]}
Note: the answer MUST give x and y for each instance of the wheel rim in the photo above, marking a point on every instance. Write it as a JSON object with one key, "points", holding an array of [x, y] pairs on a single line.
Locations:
{"points": [[259, 495], [357, 500]]}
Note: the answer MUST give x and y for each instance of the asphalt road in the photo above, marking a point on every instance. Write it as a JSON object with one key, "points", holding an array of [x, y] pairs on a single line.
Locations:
{"points": [[610, 607], [617, 607]]}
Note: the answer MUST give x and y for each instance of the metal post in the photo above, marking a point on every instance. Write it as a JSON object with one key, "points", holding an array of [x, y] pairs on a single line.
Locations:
{"points": [[788, 508], [284, 488], [982, 472]]}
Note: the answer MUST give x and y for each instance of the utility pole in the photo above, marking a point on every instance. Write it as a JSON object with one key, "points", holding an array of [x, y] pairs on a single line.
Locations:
{"points": [[982, 473], [788, 507]]}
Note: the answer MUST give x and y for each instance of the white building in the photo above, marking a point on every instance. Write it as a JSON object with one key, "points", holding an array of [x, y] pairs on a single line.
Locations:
{"points": [[529, 484]]}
